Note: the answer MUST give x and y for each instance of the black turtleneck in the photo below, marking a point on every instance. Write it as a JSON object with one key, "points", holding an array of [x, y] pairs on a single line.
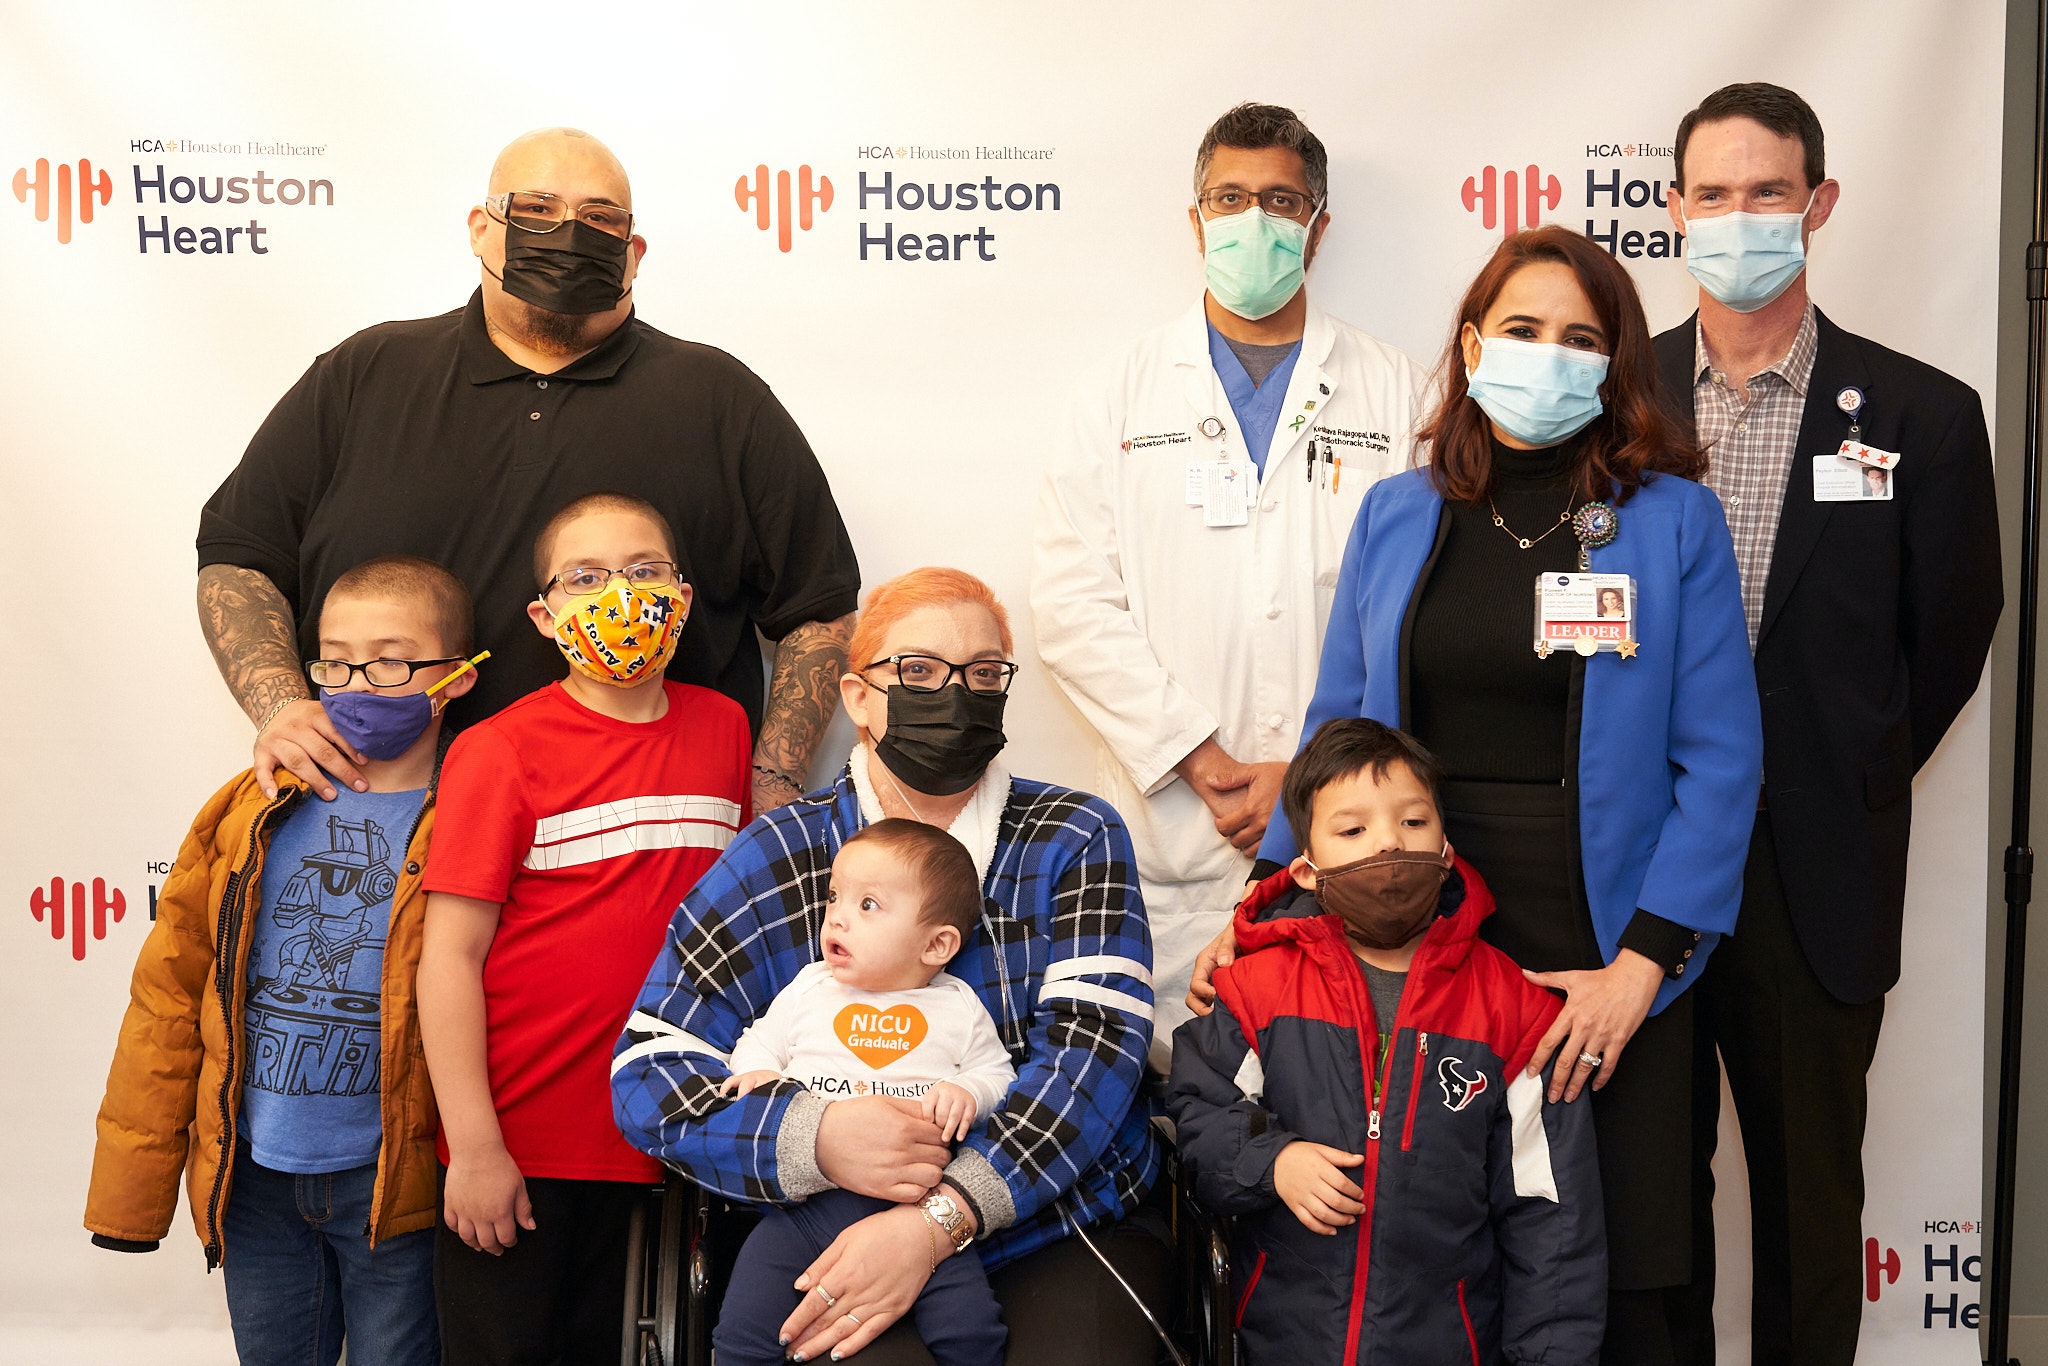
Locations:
{"points": [[1489, 709]]}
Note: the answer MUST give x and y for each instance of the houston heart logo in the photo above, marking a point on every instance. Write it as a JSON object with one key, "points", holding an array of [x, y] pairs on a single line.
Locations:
{"points": [[879, 1037]]}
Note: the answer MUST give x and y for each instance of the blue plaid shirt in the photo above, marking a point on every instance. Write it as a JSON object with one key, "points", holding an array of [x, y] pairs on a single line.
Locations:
{"points": [[1063, 964]]}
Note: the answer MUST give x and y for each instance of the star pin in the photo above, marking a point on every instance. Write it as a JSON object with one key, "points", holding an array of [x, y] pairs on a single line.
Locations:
{"points": [[1627, 649]]}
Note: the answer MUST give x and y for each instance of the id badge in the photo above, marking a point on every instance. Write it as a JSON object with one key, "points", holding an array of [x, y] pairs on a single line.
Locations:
{"points": [[1228, 495], [1839, 479], [1585, 613]]}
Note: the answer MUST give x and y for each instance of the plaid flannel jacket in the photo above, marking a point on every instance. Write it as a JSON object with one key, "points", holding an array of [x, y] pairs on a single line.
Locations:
{"points": [[1063, 963]]}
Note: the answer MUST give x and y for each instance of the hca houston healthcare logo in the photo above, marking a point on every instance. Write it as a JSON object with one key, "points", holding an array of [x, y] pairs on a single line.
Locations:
{"points": [[904, 214], [1948, 1274], [1509, 198], [183, 190], [75, 910]]}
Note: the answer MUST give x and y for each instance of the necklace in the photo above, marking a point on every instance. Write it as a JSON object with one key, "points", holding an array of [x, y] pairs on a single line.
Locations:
{"points": [[1524, 541]]}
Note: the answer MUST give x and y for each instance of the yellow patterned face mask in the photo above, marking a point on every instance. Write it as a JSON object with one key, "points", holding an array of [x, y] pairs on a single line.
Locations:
{"points": [[621, 633]]}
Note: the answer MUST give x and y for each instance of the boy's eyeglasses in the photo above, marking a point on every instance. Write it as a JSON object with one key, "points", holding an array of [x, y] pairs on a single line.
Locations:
{"points": [[589, 578], [379, 673], [929, 673]]}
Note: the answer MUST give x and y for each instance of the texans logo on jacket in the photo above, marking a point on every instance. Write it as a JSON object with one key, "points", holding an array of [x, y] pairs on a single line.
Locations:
{"points": [[1461, 1087]]}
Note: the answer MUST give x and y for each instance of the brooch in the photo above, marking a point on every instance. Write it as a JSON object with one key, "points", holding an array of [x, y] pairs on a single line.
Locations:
{"points": [[1595, 525]]}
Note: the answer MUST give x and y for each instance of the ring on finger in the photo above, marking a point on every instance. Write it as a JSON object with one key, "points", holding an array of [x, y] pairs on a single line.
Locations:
{"points": [[826, 1296], [1590, 1059], [851, 1315]]}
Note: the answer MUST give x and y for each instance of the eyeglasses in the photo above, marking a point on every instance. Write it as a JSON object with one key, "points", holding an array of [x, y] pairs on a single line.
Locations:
{"points": [[929, 673], [1225, 200], [539, 211], [378, 673], [589, 578]]}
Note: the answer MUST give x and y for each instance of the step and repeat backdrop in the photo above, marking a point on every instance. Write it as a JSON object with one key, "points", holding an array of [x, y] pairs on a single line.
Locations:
{"points": [[196, 201]]}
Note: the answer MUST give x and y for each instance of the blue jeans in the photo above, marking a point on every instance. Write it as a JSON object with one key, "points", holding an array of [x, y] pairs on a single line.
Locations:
{"points": [[301, 1276]]}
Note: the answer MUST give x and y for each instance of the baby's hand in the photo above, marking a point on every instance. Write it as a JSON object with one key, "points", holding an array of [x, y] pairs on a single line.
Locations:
{"points": [[951, 1108], [1309, 1178], [742, 1082]]}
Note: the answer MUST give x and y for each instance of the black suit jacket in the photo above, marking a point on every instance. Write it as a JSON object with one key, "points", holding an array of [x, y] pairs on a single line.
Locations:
{"points": [[1877, 618]]}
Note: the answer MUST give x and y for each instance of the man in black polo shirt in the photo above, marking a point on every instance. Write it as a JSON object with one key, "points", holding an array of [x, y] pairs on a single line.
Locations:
{"points": [[456, 437]]}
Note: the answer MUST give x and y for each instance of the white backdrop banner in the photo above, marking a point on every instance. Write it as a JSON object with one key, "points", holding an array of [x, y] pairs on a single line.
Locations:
{"points": [[920, 223]]}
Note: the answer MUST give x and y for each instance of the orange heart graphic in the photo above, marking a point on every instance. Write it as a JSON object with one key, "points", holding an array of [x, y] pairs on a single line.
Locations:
{"points": [[877, 1036]]}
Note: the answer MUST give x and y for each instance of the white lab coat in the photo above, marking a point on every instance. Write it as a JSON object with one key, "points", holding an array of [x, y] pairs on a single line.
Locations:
{"points": [[1165, 631]]}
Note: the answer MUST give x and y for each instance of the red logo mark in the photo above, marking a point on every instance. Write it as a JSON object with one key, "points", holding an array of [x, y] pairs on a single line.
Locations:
{"points": [[50, 906], [1873, 1265], [1513, 200], [808, 193], [1460, 1089], [90, 187]]}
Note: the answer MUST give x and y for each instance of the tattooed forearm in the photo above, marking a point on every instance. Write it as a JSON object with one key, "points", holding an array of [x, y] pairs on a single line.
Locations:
{"points": [[802, 694], [249, 628]]}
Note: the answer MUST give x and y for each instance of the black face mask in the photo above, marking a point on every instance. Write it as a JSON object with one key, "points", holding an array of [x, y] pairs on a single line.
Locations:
{"points": [[575, 269], [939, 742]]}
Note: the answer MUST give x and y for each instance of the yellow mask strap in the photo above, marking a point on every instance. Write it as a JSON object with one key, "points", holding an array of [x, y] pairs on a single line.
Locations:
{"points": [[467, 665]]}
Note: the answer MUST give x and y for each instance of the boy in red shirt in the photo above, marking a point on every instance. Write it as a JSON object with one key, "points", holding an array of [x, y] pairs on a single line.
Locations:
{"points": [[571, 825]]}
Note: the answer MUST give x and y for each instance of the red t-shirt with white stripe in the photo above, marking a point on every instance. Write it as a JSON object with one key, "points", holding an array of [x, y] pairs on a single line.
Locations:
{"points": [[589, 831]]}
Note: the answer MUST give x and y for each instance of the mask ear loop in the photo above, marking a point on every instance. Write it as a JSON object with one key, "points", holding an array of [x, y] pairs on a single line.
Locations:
{"points": [[467, 666]]}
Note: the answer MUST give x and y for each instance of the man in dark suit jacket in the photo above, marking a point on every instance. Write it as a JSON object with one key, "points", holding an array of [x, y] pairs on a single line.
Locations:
{"points": [[1870, 615]]}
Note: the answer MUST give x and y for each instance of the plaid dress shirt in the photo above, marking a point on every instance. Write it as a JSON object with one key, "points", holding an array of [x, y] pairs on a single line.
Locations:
{"points": [[1063, 963], [1749, 448]]}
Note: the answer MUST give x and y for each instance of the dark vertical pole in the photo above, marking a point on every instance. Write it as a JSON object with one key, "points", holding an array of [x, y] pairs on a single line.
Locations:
{"points": [[2019, 855]]}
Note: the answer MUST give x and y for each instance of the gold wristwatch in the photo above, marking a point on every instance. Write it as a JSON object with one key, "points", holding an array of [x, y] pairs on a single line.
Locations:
{"points": [[944, 1211]]}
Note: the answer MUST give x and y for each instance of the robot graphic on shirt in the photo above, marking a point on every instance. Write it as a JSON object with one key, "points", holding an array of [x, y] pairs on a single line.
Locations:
{"points": [[331, 896]]}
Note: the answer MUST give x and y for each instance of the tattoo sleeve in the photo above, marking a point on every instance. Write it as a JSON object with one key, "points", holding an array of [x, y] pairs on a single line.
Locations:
{"points": [[249, 628], [802, 693]]}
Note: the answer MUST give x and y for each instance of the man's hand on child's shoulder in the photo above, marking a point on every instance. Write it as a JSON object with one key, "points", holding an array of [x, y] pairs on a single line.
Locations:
{"points": [[740, 1083], [1309, 1179], [485, 1200], [951, 1108]]}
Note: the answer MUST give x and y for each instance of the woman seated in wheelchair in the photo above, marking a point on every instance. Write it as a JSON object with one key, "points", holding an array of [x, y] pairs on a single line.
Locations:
{"points": [[1059, 959], [1362, 1098]]}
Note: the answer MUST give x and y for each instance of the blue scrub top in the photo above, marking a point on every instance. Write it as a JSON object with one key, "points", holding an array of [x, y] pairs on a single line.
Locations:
{"points": [[1257, 406]]}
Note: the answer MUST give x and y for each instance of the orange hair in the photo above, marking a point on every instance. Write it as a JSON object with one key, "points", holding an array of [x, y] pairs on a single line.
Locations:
{"points": [[932, 586]]}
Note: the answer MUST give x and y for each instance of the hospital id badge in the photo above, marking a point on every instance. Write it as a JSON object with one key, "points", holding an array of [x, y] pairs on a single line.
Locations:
{"points": [[1228, 493], [1839, 479], [1586, 614]]}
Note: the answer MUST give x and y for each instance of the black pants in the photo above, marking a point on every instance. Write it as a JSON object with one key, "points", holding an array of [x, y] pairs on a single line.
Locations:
{"points": [[554, 1298], [1654, 1121], [1063, 1309], [1797, 1060]]}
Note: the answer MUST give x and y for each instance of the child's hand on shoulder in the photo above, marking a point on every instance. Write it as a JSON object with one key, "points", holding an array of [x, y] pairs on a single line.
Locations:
{"points": [[951, 1108], [1310, 1180], [740, 1083]]}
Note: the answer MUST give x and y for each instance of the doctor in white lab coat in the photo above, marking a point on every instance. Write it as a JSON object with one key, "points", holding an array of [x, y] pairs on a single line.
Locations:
{"points": [[1191, 527]]}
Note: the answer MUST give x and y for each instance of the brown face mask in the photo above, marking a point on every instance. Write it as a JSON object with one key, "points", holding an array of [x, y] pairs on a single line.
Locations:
{"points": [[1385, 900]]}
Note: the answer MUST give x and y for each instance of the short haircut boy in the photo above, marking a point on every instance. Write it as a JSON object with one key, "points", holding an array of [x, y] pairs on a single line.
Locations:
{"points": [[1341, 748], [942, 866], [602, 501], [408, 578]]}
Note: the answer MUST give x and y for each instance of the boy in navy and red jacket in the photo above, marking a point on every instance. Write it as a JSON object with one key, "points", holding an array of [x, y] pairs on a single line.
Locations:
{"points": [[1360, 1099]]}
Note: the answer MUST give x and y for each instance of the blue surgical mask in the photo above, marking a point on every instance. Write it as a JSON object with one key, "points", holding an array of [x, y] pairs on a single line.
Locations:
{"points": [[1746, 260], [1535, 392], [1253, 261], [378, 724]]}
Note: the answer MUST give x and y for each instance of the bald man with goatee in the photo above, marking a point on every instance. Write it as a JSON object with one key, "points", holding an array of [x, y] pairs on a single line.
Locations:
{"points": [[456, 437]]}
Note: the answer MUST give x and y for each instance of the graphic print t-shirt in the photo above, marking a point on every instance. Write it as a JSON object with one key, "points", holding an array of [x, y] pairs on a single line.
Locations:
{"points": [[316, 973], [588, 831]]}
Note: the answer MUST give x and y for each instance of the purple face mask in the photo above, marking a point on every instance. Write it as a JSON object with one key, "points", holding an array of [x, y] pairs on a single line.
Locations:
{"points": [[378, 724]]}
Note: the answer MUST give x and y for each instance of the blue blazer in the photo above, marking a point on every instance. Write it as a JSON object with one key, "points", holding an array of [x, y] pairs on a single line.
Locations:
{"points": [[1670, 741]]}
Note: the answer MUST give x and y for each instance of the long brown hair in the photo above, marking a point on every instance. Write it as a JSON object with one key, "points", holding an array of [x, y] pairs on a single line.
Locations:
{"points": [[1633, 436]]}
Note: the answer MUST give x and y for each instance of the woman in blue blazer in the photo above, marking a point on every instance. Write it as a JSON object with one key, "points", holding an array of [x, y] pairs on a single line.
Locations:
{"points": [[1607, 798]]}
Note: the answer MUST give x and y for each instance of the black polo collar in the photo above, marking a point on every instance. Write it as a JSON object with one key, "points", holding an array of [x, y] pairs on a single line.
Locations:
{"points": [[484, 363]]}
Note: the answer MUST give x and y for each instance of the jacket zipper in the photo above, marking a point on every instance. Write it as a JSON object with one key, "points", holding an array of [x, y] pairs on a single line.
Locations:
{"points": [[1362, 1008], [227, 939], [1414, 1088], [1466, 1314], [377, 1185]]}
